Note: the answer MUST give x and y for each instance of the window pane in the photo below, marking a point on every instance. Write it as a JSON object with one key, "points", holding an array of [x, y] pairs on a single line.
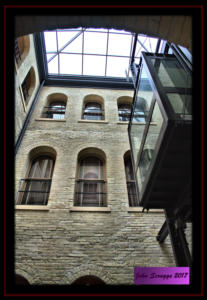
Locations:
{"points": [[91, 168], [95, 43], [119, 44], [116, 66], [118, 31], [97, 29], [53, 66], [65, 37], [50, 55], [50, 41], [129, 170], [181, 104], [141, 110], [70, 64], [75, 46], [186, 52], [149, 42], [149, 145], [137, 60], [93, 105], [94, 65], [171, 73]]}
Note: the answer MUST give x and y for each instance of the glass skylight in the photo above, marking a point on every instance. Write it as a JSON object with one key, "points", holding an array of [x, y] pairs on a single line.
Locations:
{"points": [[94, 52]]}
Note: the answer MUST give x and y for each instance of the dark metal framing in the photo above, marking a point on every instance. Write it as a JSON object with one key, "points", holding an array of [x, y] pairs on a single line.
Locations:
{"points": [[165, 109], [176, 216], [28, 118], [174, 225]]}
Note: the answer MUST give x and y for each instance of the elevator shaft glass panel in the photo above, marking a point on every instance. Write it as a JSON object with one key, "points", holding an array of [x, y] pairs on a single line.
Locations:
{"points": [[142, 103], [160, 124]]}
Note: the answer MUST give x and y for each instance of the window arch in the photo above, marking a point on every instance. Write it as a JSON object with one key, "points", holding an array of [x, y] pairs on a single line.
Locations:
{"points": [[93, 108], [55, 107], [20, 280], [124, 108], [88, 280], [21, 48], [28, 85], [130, 180], [35, 187], [90, 180]]}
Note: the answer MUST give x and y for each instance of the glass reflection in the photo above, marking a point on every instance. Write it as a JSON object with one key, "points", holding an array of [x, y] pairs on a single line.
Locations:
{"points": [[141, 111], [171, 73], [181, 104], [149, 146]]}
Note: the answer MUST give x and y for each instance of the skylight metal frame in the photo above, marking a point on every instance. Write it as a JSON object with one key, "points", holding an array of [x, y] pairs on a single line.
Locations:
{"points": [[81, 32], [83, 80]]}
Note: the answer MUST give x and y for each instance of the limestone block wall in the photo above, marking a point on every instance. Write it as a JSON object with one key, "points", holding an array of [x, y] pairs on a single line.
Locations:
{"points": [[21, 71], [56, 244]]}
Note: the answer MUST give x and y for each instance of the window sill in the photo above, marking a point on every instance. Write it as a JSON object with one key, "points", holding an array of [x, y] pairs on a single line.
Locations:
{"points": [[123, 122], [139, 209], [50, 120], [91, 209], [144, 123], [93, 121], [32, 207]]}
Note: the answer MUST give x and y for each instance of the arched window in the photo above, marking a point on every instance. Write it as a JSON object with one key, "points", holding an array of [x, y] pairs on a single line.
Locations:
{"points": [[93, 111], [88, 280], [130, 181], [35, 187], [21, 48], [124, 110], [90, 183], [20, 280], [28, 85], [55, 106], [56, 110]]}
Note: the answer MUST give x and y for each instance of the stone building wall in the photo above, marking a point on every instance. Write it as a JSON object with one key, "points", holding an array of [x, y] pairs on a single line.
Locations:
{"points": [[58, 243], [21, 71]]}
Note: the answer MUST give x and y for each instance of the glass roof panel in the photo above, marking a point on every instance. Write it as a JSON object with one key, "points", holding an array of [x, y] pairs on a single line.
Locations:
{"points": [[64, 37], [137, 60], [116, 66], [97, 29], [119, 44], [95, 43], [94, 65], [53, 66], [149, 43], [93, 52], [50, 55], [119, 31], [50, 41], [71, 64], [75, 46]]}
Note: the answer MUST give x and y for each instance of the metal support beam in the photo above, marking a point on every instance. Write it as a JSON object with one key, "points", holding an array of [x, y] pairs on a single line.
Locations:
{"points": [[177, 236], [163, 233], [20, 137], [158, 46], [134, 48], [143, 46]]}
